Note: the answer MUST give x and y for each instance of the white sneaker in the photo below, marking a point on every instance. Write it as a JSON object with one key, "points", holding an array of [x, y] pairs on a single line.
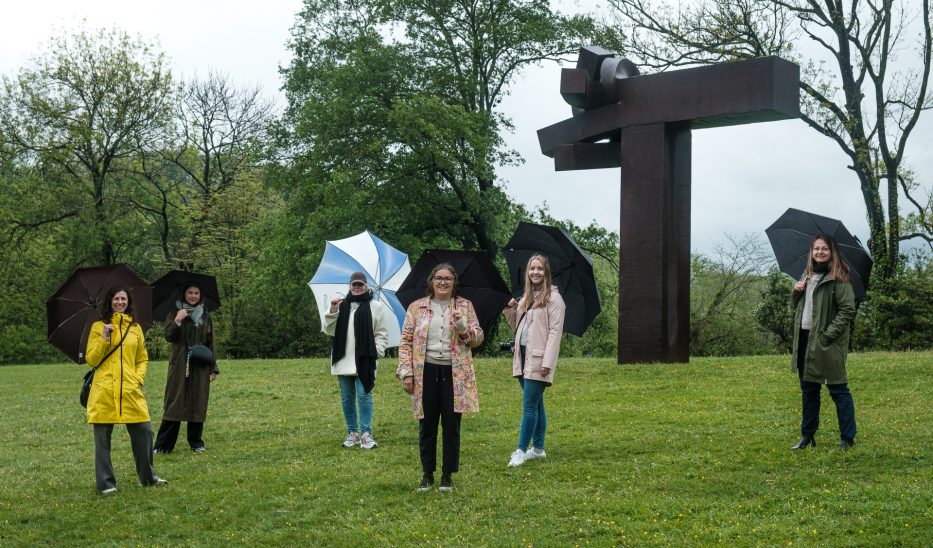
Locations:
{"points": [[367, 441], [109, 491], [352, 439], [518, 458], [535, 453]]}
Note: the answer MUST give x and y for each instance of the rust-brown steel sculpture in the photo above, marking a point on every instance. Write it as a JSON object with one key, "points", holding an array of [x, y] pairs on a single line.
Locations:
{"points": [[643, 123]]}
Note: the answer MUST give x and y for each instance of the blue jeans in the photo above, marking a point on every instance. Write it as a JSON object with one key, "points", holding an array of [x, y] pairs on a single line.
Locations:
{"points": [[351, 392], [534, 419], [845, 408]]}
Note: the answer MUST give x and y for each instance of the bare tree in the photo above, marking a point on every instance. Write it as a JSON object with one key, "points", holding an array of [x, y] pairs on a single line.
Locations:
{"points": [[220, 132], [224, 126], [724, 291], [865, 89]]}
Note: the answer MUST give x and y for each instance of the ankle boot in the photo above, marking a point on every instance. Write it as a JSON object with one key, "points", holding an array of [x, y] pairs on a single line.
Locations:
{"points": [[845, 444], [804, 442]]}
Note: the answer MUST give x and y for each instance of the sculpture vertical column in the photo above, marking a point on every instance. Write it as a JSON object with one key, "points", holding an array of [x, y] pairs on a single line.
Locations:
{"points": [[654, 276]]}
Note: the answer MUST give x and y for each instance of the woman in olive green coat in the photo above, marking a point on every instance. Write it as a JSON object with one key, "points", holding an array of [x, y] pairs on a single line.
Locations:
{"points": [[825, 306]]}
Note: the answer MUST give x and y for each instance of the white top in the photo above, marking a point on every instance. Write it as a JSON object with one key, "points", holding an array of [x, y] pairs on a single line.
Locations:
{"points": [[523, 337], [439, 333], [381, 318], [806, 320]]}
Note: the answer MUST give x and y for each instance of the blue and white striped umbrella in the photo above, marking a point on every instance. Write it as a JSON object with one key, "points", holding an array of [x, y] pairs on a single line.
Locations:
{"points": [[385, 268]]}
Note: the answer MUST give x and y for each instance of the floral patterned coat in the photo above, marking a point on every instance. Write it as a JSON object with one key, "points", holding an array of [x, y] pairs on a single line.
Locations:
{"points": [[413, 349]]}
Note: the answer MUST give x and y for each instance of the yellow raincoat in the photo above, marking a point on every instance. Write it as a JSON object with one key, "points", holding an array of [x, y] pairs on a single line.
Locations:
{"points": [[117, 392]]}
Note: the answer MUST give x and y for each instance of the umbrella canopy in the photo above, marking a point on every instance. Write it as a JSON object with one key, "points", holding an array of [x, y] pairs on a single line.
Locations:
{"points": [[75, 306], [790, 237], [385, 268], [170, 288], [571, 271], [479, 281]]}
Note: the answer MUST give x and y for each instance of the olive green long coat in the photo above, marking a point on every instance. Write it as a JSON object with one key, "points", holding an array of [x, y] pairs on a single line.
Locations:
{"points": [[186, 399], [828, 343]]}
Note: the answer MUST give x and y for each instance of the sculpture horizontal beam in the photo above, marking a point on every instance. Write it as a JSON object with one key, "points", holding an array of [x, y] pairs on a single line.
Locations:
{"points": [[755, 90]]}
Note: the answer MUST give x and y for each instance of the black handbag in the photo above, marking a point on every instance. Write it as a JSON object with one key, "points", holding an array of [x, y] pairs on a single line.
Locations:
{"points": [[200, 355], [89, 376], [86, 387]]}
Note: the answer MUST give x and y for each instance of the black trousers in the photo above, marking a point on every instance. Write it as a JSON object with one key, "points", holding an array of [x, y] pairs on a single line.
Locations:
{"points": [[168, 435], [438, 402]]}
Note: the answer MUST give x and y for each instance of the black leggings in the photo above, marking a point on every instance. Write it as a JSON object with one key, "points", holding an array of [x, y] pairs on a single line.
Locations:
{"points": [[437, 399]]}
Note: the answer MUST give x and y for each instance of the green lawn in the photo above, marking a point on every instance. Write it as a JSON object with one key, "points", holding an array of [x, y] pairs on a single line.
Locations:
{"points": [[692, 454]]}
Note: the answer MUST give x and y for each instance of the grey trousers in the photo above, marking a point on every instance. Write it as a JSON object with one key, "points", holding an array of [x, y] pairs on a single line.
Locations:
{"points": [[141, 442]]}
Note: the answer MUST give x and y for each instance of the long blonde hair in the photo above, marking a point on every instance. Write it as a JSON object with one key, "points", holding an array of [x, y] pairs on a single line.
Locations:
{"points": [[838, 268], [544, 295]]}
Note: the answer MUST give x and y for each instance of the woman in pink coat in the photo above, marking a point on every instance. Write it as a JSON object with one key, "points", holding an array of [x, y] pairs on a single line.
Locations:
{"points": [[538, 321]]}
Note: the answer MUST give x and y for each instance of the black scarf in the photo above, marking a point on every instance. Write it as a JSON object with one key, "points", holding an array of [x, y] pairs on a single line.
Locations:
{"points": [[821, 268], [363, 332]]}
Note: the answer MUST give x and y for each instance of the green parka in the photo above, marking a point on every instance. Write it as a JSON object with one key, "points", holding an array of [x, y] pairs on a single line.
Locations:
{"points": [[828, 344]]}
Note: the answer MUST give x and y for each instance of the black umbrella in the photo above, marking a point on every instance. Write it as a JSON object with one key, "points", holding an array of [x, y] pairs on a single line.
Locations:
{"points": [[790, 237], [571, 271], [76, 305], [169, 288], [479, 281]]}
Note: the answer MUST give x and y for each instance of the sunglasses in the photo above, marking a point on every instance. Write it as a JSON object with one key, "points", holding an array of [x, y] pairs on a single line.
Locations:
{"points": [[357, 284]]}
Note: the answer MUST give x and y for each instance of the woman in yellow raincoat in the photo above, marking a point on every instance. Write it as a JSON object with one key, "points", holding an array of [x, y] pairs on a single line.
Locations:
{"points": [[116, 343]]}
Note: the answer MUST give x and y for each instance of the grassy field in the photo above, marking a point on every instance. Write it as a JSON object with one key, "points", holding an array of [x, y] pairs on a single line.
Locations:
{"points": [[692, 454]]}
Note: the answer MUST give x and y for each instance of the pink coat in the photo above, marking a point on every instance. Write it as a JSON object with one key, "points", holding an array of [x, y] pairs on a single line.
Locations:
{"points": [[413, 349], [544, 332]]}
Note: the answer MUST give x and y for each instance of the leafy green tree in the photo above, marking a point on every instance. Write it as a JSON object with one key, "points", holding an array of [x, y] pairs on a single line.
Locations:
{"points": [[391, 125], [84, 108], [899, 317], [774, 313], [414, 114]]}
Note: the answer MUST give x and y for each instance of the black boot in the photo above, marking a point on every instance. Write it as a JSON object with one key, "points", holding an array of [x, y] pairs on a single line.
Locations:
{"points": [[845, 444], [427, 482], [804, 442]]}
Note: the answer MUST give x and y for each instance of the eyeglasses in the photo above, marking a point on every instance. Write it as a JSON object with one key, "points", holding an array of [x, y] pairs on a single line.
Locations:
{"points": [[357, 284], [443, 279]]}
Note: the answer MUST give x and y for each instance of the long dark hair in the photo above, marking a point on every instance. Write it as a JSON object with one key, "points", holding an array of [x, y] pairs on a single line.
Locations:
{"points": [[429, 290], [838, 267], [106, 307]]}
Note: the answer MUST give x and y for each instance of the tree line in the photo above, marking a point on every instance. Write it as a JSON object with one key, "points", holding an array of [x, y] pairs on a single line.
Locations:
{"points": [[105, 157]]}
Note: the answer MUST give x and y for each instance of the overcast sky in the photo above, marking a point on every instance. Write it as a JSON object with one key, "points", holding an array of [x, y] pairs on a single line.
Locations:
{"points": [[744, 177]]}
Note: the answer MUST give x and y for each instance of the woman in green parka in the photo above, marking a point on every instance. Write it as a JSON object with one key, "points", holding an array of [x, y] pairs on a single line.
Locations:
{"points": [[187, 387], [824, 305]]}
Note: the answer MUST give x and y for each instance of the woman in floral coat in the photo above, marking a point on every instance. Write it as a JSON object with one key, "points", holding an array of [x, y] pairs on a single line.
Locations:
{"points": [[436, 368]]}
